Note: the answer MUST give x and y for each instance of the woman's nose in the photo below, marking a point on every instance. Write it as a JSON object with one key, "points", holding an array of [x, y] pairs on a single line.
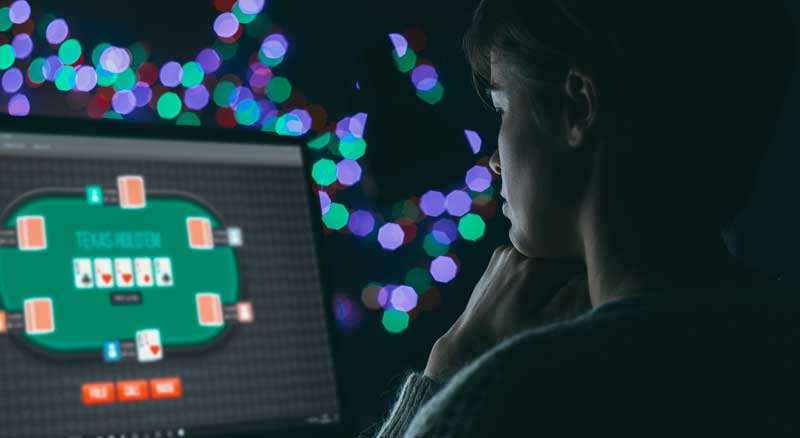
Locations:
{"points": [[494, 162]]}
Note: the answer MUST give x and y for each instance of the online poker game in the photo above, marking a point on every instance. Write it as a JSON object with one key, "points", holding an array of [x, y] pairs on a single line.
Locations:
{"points": [[158, 287]]}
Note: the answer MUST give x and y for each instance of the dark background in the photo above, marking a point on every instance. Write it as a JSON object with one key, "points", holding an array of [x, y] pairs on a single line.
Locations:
{"points": [[329, 42]]}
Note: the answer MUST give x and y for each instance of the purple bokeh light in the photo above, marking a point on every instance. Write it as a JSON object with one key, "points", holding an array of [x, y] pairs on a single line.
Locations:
{"points": [[251, 7], [260, 76], [19, 105], [19, 12], [443, 269], [196, 98], [424, 77], [115, 59], [400, 44], [458, 203], [343, 127], [324, 202], [274, 46], [52, 64], [474, 140], [348, 172], [445, 231], [171, 74], [226, 25], [85, 78], [391, 236], [385, 295], [209, 60], [57, 31], [12, 80], [479, 178], [238, 95], [404, 298], [123, 102], [357, 124], [361, 223], [23, 45], [432, 203], [143, 93]]}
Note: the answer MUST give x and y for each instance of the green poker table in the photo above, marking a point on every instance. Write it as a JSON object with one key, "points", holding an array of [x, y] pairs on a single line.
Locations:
{"points": [[86, 318]]}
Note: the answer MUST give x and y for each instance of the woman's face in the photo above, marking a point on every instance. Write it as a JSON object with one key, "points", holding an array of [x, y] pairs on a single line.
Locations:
{"points": [[542, 180]]}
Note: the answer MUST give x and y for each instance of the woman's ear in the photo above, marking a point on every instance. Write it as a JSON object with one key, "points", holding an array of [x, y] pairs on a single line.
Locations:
{"points": [[580, 108]]}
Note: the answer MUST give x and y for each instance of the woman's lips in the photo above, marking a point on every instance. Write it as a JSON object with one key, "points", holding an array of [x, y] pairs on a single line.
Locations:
{"points": [[505, 209]]}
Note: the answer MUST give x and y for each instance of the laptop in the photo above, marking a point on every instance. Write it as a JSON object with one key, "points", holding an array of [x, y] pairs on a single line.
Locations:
{"points": [[161, 282]]}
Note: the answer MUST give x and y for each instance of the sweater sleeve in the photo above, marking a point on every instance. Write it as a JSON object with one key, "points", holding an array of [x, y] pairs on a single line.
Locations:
{"points": [[416, 390]]}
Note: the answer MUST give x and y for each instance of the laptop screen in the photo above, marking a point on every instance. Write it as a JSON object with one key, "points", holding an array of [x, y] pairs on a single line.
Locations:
{"points": [[158, 288]]}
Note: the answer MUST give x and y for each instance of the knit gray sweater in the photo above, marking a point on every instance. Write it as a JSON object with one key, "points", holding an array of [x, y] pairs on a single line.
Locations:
{"points": [[716, 365]]}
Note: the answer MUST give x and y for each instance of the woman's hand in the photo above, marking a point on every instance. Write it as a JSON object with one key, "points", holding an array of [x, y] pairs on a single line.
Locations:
{"points": [[515, 293]]}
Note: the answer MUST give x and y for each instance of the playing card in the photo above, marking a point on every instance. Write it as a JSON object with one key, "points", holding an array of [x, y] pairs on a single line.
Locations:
{"points": [[39, 316], [148, 345], [123, 267], [163, 267], [144, 272], [82, 269], [209, 309], [200, 233], [104, 278], [31, 235], [131, 191]]}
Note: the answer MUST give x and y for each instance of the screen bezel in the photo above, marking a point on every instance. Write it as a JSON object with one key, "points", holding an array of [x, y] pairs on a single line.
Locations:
{"points": [[141, 130]]}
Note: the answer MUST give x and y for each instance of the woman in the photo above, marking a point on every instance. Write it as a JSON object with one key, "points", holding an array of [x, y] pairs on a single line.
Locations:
{"points": [[631, 131]]}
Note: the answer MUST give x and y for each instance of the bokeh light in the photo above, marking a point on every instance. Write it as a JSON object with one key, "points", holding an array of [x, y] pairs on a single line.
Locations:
{"points": [[324, 201], [19, 105], [391, 236], [369, 296], [251, 7], [196, 97], [226, 25], [7, 56], [400, 44], [171, 74], [432, 203], [424, 77], [324, 172], [23, 45], [418, 278], [361, 223], [57, 31], [169, 105], [337, 216], [443, 269], [124, 102], [479, 178], [472, 227], [395, 321], [12, 80], [445, 231], [209, 60], [474, 140], [70, 51], [279, 89], [274, 46], [348, 172], [19, 11], [115, 59], [404, 298], [458, 203]]}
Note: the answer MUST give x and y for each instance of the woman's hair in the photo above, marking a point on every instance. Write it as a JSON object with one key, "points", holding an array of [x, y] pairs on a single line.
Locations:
{"points": [[695, 87]]}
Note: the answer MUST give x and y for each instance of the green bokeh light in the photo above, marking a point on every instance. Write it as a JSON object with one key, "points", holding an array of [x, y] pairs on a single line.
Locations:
{"points": [[5, 19], [321, 141], [247, 112], [241, 16], [472, 227], [324, 172], [65, 78], [112, 115], [433, 248], [169, 105], [192, 74], [432, 96], [125, 80], [395, 321], [337, 216], [352, 148], [269, 62], [98, 50], [106, 78], [7, 56], [279, 89], [70, 51], [226, 51], [419, 278], [36, 71], [223, 92], [188, 119], [407, 62], [138, 54], [258, 27]]}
